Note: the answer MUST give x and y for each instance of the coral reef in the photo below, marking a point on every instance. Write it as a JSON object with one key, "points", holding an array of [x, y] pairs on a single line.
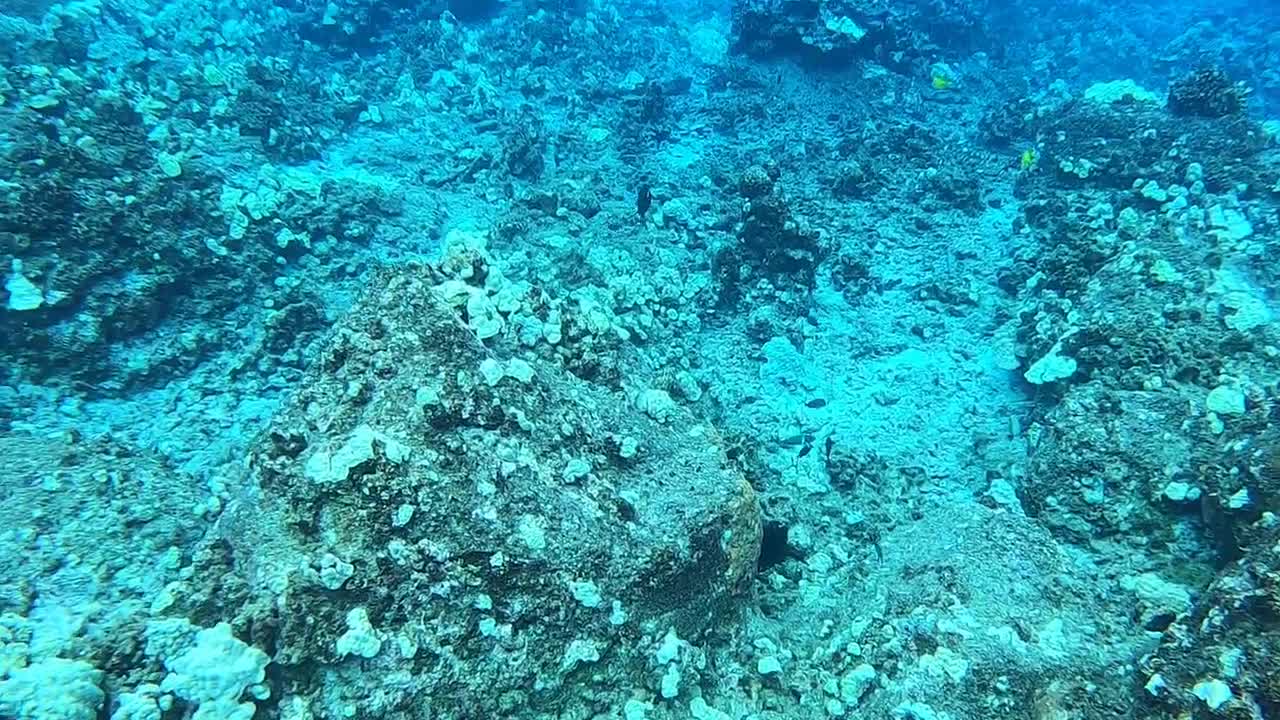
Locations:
{"points": [[1207, 93], [460, 508], [759, 360]]}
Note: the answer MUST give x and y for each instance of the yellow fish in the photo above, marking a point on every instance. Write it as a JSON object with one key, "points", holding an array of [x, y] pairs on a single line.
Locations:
{"points": [[941, 82], [1028, 159]]}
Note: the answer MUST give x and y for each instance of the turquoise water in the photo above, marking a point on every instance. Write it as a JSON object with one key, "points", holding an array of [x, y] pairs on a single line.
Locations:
{"points": [[545, 359]]}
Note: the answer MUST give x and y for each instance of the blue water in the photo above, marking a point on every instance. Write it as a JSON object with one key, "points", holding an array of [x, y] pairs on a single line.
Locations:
{"points": [[749, 359]]}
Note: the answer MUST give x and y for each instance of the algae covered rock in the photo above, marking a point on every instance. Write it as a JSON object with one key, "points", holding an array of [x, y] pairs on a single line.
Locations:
{"points": [[1223, 655], [493, 538], [1097, 468]]}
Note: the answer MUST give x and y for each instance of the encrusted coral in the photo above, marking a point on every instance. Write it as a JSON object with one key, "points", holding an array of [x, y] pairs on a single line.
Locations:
{"points": [[1207, 92]]}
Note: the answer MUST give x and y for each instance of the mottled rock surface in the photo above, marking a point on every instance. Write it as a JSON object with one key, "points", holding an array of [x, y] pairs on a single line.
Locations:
{"points": [[485, 527]]}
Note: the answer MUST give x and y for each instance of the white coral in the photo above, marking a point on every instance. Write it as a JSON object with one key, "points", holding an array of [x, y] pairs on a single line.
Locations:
{"points": [[26, 694], [214, 673]]}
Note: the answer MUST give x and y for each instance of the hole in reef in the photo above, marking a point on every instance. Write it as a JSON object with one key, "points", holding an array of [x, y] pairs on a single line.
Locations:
{"points": [[773, 546], [1160, 623]]}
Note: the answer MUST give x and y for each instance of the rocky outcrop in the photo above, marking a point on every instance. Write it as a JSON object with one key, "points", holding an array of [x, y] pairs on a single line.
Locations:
{"points": [[482, 527]]}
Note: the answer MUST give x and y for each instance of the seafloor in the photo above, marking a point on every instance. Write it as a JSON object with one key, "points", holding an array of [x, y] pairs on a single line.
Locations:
{"points": [[407, 359]]}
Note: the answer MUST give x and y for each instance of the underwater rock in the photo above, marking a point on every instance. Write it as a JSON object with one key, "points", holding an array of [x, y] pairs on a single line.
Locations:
{"points": [[1225, 652], [834, 32], [1096, 468], [826, 31], [1099, 145], [772, 244], [1207, 93], [499, 539]]}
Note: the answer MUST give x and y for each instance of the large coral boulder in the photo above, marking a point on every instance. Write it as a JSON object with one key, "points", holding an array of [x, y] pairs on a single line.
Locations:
{"points": [[493, 533], [1097, 469]]}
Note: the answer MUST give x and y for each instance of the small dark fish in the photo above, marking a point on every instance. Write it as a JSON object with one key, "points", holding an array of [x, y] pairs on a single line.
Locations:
{"points": [[644, 199]]}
